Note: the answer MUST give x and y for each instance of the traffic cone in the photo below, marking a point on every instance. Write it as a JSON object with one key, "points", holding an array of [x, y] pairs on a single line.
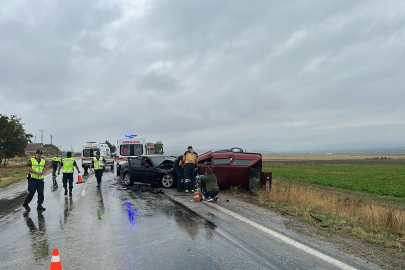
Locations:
{"points": [[197, 196], [55, 261], [79, 179]]}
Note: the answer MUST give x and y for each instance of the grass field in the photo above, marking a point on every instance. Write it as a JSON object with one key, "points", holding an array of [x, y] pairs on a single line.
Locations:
{"points": [[386, 180], [16, 171], [331, 157]]}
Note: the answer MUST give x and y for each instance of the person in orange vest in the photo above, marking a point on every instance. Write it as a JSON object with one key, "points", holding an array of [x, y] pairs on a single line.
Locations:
{"points": [[98, 163], [190, 161], [36, 170]]}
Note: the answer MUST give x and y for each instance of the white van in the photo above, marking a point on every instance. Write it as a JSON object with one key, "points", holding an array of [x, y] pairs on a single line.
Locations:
{"points": [[129, 146], [89, 150]]}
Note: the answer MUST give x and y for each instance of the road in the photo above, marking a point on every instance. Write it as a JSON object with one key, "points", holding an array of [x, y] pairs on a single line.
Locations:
{"points": [[117, 228]]}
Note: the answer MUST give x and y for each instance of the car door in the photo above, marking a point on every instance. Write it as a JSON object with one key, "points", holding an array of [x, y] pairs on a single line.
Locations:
{"points": [[239, 172], [204, 162], [221, 169], [145, 171], [134, 167]]}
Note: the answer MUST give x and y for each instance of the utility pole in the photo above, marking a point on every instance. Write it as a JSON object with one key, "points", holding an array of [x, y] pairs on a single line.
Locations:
{"points": [[51, 139], [42, 135]]}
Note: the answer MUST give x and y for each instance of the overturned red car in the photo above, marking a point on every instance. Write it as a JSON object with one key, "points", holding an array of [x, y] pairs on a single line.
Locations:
{"points": [[235, 168]]}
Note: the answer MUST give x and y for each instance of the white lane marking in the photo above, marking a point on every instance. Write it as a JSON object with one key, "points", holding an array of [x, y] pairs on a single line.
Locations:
{"points": [[84, 191], [286, 239], [85, 187]]}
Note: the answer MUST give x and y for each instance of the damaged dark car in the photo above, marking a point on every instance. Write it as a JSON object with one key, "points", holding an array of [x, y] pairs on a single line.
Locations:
{"points": [[156, 170]]}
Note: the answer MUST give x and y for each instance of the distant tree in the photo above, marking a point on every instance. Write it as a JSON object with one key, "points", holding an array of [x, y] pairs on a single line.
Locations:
{"points": [[13, 139], [159, 148], [112, 147], [51, 146]]}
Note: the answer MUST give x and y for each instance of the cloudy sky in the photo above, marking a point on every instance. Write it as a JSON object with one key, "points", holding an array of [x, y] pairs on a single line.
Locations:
{"points": [[269, 75]]}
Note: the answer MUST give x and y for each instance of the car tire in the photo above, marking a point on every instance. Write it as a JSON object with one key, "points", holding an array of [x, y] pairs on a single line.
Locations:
{"points": [[127, 180], [118, 171], [167, 181]]}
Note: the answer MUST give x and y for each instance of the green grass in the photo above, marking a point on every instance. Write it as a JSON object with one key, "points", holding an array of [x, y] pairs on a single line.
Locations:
{"points": [[12, 174], [385, 180]]}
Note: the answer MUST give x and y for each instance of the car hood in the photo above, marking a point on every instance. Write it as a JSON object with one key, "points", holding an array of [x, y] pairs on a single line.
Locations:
{"points": [[166, 162]]}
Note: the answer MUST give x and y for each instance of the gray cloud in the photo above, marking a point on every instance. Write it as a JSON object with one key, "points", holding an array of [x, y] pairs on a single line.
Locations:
{"points": [[159, 83], [271, 75]]}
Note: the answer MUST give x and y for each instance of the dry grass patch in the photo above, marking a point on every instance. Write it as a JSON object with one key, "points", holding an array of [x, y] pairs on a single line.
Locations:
{"points": [[364, 219], [16, 171]]}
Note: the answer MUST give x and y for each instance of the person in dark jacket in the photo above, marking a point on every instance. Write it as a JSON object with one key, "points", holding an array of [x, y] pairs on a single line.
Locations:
{"points": [[178, 168], [36, 170], [211, 189]]}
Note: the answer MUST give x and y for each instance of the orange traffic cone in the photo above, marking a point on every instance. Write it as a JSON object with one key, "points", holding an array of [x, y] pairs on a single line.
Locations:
{"points": [[55, 261], [197, 196], [79, 179]]}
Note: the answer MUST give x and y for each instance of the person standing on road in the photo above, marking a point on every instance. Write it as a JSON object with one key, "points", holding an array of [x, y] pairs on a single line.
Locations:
{"points": [[211, 189], [98, 163], [36, 170], [178, 168], [67, 164], [55, 163], [190, 161]]}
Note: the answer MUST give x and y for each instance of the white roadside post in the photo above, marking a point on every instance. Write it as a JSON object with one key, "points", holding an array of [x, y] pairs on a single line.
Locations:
{"points": [[268, 184]]}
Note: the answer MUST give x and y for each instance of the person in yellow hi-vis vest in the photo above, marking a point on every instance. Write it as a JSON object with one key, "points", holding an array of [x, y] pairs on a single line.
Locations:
{"points": [[55, 163], [98, 163], [36, 169], [67, 164]]}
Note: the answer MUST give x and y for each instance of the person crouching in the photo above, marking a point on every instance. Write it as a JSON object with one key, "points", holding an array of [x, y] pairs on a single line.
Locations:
{"points": [[211, 189]]}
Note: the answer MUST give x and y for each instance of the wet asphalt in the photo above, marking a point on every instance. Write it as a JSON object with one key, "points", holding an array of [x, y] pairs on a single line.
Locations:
{"points": [[115, 227]]}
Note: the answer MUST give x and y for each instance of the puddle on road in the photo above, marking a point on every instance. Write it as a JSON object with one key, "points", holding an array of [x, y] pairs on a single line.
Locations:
{"points": [[9, 206], [160, 208]]}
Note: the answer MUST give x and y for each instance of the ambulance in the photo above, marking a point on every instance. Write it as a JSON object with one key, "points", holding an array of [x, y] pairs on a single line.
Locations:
{"points": [[129, 146], [89, 150]]}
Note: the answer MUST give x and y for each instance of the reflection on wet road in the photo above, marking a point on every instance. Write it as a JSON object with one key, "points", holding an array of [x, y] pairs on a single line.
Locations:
{"points": [[132, 213], [39, 241], [100, 209], [116, 228]]}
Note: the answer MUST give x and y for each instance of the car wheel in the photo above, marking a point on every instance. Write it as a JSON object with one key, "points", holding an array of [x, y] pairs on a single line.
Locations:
{"points": [[167, 180], [127, 179], [118, 171]]}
